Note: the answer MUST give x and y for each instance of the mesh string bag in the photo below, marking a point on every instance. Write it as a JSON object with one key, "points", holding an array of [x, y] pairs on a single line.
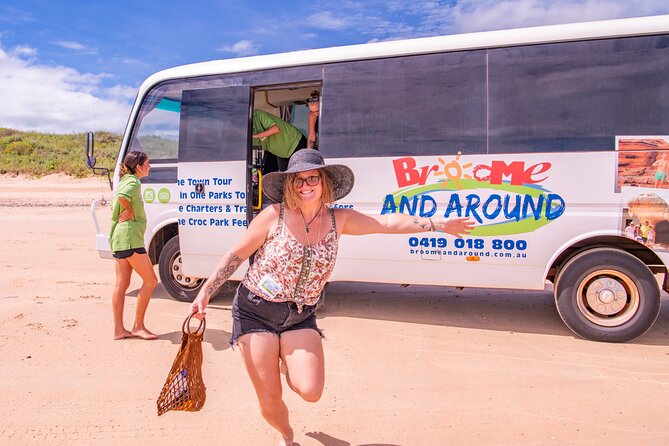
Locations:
{"points": [[184, 387]]}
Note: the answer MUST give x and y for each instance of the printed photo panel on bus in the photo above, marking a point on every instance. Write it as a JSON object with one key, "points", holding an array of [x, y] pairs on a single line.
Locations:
{"points": [[643, 161], [643, 168]]}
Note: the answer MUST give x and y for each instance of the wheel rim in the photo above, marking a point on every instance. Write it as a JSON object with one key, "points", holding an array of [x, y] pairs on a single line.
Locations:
{"points": [[608, 298], [179, 278]]}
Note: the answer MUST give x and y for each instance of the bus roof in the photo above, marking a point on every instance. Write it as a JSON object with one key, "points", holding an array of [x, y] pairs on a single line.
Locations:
{"points": [[457, 42]]}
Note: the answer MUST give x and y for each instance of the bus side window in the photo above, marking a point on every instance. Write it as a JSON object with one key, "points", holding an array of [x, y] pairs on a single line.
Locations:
{"points": [[214, 124], [158, 132], [431, 104], [577, 96]]}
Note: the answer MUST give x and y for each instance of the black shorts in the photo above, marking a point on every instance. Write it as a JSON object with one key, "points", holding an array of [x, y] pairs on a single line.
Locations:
{"points": [[127, 253], [253, 314]]}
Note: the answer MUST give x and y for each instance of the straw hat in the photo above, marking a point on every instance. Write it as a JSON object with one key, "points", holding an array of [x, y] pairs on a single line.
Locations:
{"points": [[309, 159]]}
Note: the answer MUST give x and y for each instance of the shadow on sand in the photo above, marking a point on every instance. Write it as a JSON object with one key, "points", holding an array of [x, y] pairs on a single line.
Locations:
{"points": [[485, 309], [329, 440]]}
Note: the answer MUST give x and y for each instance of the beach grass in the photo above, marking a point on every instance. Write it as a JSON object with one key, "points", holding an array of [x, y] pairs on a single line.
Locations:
{"points": [[37, 154]]}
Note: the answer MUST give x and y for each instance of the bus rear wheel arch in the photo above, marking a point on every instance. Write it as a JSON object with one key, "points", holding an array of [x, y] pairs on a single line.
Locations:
{"points": [[606, 294]]}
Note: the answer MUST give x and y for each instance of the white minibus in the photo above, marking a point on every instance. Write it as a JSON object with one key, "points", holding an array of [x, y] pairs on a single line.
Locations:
{"points": [[552, 139]]}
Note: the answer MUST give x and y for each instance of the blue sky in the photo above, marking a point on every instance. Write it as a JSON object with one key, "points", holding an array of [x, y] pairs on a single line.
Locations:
{"points": [[71, 66]]}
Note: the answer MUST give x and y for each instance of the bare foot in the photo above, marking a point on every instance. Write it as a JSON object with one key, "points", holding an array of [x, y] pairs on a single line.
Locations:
{"points": [[287, 441], [145, 334], [123, 335]]}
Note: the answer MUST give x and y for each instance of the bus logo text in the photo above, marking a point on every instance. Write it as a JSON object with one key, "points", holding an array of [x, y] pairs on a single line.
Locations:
{"points": [[408, 173]]}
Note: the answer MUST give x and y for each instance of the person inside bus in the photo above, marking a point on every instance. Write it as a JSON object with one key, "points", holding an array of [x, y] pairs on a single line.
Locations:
{"points": [[314, 104], [277, 137], [126, 239], [295, 242]]}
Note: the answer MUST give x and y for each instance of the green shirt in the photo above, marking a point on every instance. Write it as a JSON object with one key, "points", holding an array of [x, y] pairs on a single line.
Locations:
{"points": [[129, 234], [281, 144]]}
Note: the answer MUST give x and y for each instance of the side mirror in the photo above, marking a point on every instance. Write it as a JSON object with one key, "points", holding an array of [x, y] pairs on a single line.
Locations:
{"points": [[90, 159], [90, 145]]}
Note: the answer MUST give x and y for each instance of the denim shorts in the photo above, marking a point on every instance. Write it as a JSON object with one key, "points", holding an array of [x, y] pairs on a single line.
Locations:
{"points": [[253, 314]]}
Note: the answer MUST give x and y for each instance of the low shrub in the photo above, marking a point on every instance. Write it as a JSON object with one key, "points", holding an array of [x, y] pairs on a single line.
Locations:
{"points": [[20, 148], [37, 154]]}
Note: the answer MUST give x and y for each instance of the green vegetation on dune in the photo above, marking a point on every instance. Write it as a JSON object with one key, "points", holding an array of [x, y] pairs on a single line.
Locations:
{"points": [[38, 154]]}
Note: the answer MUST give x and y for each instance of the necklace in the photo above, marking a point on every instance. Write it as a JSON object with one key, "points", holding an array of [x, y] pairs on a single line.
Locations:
{"points": [[306, 225], [307, 259], [308, 248]]}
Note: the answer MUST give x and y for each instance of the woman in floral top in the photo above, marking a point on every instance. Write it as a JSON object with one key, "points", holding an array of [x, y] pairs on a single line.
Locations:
{"points": [[274, 321]]}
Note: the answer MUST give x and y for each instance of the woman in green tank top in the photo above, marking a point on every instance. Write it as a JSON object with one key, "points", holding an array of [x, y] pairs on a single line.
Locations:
{"points": [[126, 239]]}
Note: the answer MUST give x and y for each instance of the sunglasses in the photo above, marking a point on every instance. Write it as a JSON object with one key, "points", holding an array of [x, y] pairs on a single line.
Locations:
{"points": [[311, 181]]}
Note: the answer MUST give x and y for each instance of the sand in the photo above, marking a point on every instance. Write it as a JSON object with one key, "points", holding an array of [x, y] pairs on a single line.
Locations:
{"points": [[404, 366]]}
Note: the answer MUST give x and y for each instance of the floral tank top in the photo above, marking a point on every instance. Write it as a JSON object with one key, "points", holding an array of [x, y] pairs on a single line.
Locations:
{"points": [[285, 270]]}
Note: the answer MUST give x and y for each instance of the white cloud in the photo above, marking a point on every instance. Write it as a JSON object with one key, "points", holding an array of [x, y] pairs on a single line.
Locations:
{"points": [[326, 20], [365, 19], [391, 19], [241, 48], [485, 15], [11, 16], [75, 46], [471, 15], [57, 99], [121, 92], [23, 50], [131, 61]]}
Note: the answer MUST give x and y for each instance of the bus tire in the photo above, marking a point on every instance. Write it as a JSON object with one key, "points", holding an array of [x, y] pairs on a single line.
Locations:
{"points": [[178, 285], [606, 294]]}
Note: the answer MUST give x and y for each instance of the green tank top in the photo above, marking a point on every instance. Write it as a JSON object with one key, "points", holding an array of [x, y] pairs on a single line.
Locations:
{"points": [[129, 234]]}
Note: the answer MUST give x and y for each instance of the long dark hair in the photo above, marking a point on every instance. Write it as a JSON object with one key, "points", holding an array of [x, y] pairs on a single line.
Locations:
{"points": [[131, 161]]}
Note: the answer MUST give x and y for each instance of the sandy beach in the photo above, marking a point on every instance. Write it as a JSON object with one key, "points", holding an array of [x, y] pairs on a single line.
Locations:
{"points": [[404, 366]]}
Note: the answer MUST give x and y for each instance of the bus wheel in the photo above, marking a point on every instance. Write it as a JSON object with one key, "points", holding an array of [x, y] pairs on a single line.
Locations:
{"points": [[178, 285], [606, 294]]}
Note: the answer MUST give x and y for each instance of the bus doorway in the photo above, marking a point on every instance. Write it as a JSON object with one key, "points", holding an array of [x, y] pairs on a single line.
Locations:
{"points": [[288, 103]]}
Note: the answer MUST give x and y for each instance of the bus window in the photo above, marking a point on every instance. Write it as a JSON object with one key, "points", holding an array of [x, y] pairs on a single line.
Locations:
{"points": [[577, 96], [418, 105], [158, 130], [214, 124]]}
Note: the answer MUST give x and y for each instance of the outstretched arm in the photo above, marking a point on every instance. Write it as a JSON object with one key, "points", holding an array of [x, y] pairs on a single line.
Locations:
{"points": [[253, 239], [356, 223]]}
